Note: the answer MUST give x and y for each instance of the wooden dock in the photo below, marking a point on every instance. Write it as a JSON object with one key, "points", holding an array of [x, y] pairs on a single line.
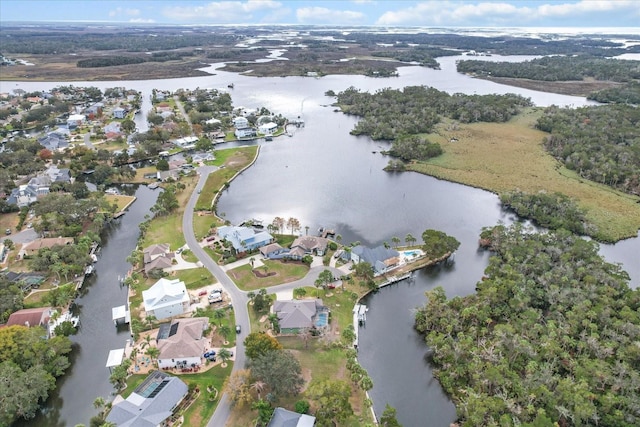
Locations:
{"points": [[359, 318], [395, 279]]}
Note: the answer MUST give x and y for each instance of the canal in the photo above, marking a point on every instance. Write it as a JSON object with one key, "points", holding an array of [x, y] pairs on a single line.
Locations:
{"points": [[88, 378]]}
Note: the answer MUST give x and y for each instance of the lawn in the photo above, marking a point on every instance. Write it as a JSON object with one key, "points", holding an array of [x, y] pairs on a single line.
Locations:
{"points": [[202, 409], [502, 157], [195, 278], [234, 160], [121, 200], [285, 272]]}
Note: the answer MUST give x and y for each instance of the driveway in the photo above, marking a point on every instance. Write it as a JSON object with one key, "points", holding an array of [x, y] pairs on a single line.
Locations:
{"points": [[25, 236]]}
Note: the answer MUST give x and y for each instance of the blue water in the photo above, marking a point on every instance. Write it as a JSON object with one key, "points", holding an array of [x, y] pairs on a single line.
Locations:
{"points": [[322, 320], [410, 253]]}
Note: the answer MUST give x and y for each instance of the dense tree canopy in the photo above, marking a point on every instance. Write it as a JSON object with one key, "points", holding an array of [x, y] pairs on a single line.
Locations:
{"points": [[437, 243], [600, 143], [256, 344], [552, 211], [279, 370], [555, 68], [550, 336], [390, 113], [28, 368]]}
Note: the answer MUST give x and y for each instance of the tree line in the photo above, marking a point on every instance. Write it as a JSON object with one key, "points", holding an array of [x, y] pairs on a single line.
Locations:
{"points": [[557, 68], [549, 338], [600, 143], [390, 114]]}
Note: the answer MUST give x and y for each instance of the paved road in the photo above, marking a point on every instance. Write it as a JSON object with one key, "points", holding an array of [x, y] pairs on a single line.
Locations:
{"points": [[238, 297]]}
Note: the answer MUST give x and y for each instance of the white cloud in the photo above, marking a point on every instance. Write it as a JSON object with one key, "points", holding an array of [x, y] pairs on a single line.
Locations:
{"points": [[141, 21], [451, 13], [322, 15], [124, 12], [226, 11]]}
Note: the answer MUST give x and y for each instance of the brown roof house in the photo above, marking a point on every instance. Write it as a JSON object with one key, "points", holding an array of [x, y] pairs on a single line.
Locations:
{"points": [[157, 257], [182, 342], [30, 317], [308, 245], [32, 248], [297, 315]]}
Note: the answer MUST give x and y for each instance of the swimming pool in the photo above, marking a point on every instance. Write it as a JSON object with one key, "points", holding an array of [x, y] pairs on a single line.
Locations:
{"points": [[322, 319], [411, 253]]}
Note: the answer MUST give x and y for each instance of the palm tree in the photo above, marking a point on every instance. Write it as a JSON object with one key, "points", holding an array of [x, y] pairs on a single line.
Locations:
{"points": [[409, 239], [153, 352], [304, 335], [258, 386], [225, 330], [219, 315], [396, 241], [224, 355], [338, 238]]}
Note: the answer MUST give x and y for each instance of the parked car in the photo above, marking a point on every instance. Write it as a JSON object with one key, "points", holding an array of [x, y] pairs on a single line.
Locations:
{"points": [[7, 231], [238, 329], [209, 354]]}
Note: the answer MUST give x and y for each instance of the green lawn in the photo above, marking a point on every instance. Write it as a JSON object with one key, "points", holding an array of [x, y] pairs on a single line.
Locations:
{"points": [[195, 278], [286, 272]]}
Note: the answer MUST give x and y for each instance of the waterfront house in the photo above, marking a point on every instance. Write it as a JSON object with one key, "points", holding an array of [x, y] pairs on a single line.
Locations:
{"points": [[31, 317], [268, 128], [154, 251], [164, 263], [310, 245], [119, 113], [76, 120], [151, 403], [244, 239], [240, 122], [32, 248], [381, 259], [245, 132], [166, 298], [273, 251], [297, 315], [182, 342], [284, 418]]}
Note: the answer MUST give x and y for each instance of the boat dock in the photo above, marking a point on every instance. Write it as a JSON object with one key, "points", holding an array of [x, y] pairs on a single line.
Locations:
{"points": [[395, 279], [359, 318]]}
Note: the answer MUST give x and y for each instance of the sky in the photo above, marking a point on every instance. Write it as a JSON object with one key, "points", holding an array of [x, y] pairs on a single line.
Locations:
{"points": [[395, 13]]}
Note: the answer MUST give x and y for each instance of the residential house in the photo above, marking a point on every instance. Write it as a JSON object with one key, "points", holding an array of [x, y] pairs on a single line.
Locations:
{"points": [[154, 251], [381, 259], [150, 404], [53, 141], [32, 248], [31, 317], [186, 141], [200, 158], [56, 174], [112, 130], [182, 342], [297, 315], [166, 298], [25, 280], [94, 110], [23, 195], [284, 418], [308, 245], [240, 122], [273, 251], [76, 120], [244, 239], [245, 132], [119, 113], [268, 128], [164, 263]]}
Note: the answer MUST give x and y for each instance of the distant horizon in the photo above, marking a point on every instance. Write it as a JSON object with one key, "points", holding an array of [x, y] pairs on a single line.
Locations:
{"points": [[350, 13]]}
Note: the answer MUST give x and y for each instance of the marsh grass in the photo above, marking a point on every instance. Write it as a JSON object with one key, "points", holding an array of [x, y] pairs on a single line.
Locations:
{"points": [[510, 156]]}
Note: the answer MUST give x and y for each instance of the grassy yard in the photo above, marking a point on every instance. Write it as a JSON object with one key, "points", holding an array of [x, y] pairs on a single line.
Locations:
{"points": [[233, 160], [285, 272], [195, 278], [121, 200], [202, 409], [502, 157], [168, 229]]}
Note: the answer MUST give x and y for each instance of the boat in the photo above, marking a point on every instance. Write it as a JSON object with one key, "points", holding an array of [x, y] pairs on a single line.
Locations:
{"points": [[153, 185], [88, 271]]}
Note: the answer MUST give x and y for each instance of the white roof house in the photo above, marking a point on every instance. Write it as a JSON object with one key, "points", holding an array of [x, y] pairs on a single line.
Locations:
{"points": [[268, 128], [240, 122], [166, 298]]}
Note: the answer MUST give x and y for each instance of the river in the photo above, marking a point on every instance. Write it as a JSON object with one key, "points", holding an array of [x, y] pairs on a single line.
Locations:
{"points": [[88, 378], [325, 177]]}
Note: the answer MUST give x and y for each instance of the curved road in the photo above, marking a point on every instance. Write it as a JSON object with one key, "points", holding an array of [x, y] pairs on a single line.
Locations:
{"points": [[239, 298]]}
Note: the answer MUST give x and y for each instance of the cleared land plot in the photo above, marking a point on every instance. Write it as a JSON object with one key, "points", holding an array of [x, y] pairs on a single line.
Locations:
{"points": [[509, 156]]}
